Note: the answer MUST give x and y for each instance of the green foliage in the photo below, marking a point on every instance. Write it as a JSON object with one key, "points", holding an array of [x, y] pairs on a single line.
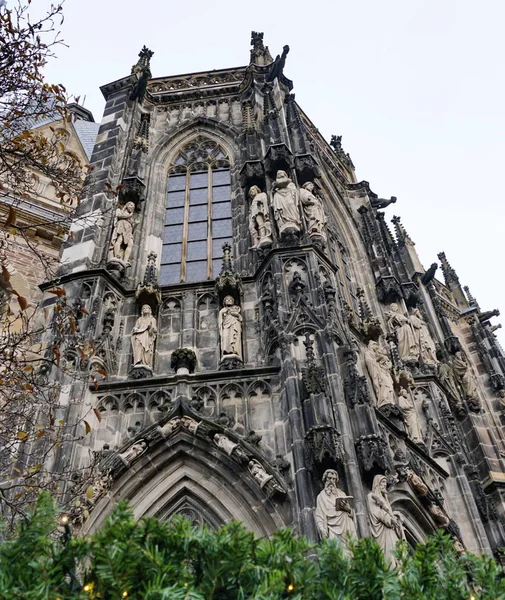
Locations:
{"points": [[151, 560]]}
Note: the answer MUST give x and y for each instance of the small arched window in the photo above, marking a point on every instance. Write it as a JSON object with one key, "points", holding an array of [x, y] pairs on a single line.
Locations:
{"points": [[198, 213]]}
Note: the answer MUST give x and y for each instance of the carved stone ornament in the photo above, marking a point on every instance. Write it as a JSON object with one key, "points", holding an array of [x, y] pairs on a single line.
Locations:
{"points": [[260, 226], [355, 385], [143, 337], [385, 526], [252, 171], [286, 204], [133, 452], [388, 290], [373, 451], [148, 292], [334, 514], [324, 442], [132, 190], [313, 211], [121, 244], [228, 282], [183, 361]]}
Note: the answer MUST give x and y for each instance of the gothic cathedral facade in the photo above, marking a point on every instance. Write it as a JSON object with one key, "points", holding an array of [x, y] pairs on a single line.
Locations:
{"points": [[268, 348]]}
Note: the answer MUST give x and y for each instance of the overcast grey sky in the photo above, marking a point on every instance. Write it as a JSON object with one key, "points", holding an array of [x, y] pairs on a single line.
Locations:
{"points": [[415, 87]]}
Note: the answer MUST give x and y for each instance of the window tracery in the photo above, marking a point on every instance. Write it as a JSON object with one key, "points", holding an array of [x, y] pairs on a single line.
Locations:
{"points": [[198, 213]]}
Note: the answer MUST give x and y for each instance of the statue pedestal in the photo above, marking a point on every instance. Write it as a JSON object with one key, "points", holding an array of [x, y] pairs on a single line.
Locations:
{"points": [[141, 372], [116, 264], [265, 242], [230, 362]]}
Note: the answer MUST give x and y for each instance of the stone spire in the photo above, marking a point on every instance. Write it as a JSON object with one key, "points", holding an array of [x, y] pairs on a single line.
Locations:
{"points": [[144, 61], [260, 54], [228, 282], [402, 237], [452, 281]]}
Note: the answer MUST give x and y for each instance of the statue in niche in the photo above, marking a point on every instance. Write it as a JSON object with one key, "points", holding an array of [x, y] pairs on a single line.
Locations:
{"points": [[121, 244], [334, 515], [400, 325], [134, 451], [286, 204], [260, 227], [465, 378], [448, 380], [425, 344], [143, 337], [313, 210], [439, 515], [230, 328], [385, 526], [406, 403], [379, 367]]}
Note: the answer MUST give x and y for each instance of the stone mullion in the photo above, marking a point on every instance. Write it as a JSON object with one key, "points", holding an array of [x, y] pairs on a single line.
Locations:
{"points": [[302, 479], [351, 466]]}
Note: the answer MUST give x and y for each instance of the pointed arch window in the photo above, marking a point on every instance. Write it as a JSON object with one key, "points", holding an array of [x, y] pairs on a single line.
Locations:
{"points": [[198, 213]]}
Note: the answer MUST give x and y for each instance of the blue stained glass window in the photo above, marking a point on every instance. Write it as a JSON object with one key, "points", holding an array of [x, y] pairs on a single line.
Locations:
{"points": [[197, 250], [198, 213], [198, 180], [221, 210], [171, 253], [221, 177], [221, 228], [173, 233], [221, 193], [170, 274], [200, 196], [175, 199], [174, 216], [176, 182], [197, 231], [196, 271]]}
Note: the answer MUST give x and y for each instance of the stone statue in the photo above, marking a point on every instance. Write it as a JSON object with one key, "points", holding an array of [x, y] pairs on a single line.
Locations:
{"points": [[379, 367], [258, 472], [260, 227], [224, 443], [286, 204], [230, 328], [439, 516], [190, 424], [385, 526], [334, 515], [424, 342], [401, 326], [121, 244], [417, 483], [465, 378], [134, 451], [143, 337], [313, 210], [406, 403], [448, 380], [170, 427]]}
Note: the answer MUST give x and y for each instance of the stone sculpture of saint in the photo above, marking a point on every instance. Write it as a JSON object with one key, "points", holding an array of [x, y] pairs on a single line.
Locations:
{"points": [[313, 210], [259, 473], [424, 342], [134, 451], [260, 226], [121, 244], [230, 328], [406, 403], [286, 204], [465, 378], [379, 367], [385, 526], [334, 515], [408, 349], [143, 337]]}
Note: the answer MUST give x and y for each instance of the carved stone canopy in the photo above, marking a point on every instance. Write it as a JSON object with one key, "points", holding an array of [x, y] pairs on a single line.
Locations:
{"points": [[278, 157], [228, 282], [132, 190], [323, 442]]}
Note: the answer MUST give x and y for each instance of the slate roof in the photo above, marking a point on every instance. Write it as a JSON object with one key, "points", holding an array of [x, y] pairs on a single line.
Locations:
{"points": [[87, 133]]}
